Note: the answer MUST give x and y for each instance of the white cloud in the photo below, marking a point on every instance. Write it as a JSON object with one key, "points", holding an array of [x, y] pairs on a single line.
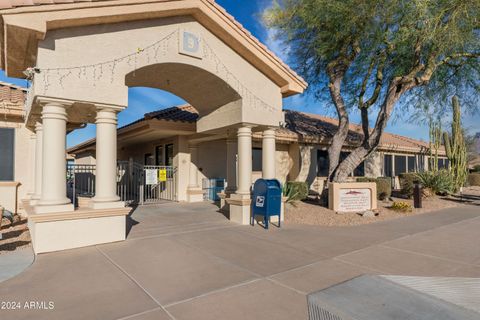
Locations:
{"points": [[276, 45]]}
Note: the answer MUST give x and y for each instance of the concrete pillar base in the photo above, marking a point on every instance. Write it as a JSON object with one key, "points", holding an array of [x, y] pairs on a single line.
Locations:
{"points": [[195, 195], [69, 230], [239, 207], [54, 208], [224, 206], [106, 205]]}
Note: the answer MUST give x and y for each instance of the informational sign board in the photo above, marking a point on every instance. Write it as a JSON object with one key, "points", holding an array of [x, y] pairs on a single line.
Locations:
{"points": [[151, 176], [162, 175], [354, 200]]}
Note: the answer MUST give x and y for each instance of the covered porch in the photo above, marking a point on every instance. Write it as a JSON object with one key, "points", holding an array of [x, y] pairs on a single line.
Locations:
{"points": [[81, 64]]}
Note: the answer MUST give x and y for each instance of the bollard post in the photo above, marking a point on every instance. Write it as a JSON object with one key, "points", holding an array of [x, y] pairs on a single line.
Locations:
{"points": [[417, 194]]}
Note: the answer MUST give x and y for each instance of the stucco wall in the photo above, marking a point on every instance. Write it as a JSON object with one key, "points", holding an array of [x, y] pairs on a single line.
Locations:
{"points": [[24, 158], [73, 47], [212, 159], [284, 162], [85, 158]]}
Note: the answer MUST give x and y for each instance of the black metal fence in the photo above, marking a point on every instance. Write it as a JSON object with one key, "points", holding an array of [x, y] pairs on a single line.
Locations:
{"points": [[136, 183]]}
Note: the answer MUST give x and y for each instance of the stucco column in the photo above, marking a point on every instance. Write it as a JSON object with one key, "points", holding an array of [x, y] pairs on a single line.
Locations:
{"points": [[231, 165], [54, 172], [268, 154], [244, 160], [38, 163], [193, 172], [194, 192], [31, 158], [106, 161], [239, 202]]}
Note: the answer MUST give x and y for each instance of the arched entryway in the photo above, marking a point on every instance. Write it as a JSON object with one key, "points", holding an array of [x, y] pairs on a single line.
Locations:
{"points": [[85, 59]]}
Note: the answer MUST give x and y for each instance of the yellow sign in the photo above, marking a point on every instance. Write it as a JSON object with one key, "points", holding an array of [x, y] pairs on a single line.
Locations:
{"points": [[162, 175]]}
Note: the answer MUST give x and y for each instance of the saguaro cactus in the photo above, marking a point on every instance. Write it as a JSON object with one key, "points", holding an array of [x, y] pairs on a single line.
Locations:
{"points": [[435, 143], [456, 148]]}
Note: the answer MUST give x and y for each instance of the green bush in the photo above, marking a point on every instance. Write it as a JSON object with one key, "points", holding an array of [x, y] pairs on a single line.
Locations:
{"points": [[440, 182], [474, 179], [406, 184], [295, 190], [384, 186], [476, 168]]}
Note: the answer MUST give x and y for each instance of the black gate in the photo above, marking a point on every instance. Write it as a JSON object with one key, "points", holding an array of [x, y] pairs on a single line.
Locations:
{"points": [[159, 184], [136, 183]]}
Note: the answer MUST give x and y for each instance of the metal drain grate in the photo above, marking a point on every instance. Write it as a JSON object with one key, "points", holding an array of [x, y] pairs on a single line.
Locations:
{"points": [[464, 292], [378, 298]]}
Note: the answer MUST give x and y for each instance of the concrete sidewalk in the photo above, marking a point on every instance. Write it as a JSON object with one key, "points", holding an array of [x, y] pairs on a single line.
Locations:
{"points": [[189, 262], [13, 263]]}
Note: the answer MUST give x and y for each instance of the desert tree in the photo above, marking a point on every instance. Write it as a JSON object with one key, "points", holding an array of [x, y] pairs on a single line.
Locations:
{"points": [[376, 55]]}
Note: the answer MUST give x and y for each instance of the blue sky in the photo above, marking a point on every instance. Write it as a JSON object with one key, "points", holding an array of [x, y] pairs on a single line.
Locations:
{"points": [[247, 12]]}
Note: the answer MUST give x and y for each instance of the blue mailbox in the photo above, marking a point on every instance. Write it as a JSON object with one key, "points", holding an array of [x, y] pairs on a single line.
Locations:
{"points": [[267, 200]]}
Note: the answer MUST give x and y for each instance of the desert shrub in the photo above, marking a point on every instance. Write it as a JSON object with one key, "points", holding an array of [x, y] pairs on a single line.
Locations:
{"points": [[440, 182], [476, 168], [402, 207], [384, 186], [474, 179], [295, 190], [406, 184]]}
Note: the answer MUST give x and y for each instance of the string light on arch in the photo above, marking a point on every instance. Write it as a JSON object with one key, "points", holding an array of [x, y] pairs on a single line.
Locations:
{"points": [[152, 53]]}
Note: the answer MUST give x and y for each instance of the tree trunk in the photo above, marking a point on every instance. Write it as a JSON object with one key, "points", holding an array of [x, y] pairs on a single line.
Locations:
{"points": [[338, 139], [371, 142]]}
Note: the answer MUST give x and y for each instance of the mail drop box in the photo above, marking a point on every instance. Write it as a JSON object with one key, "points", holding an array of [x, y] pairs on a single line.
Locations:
{"points": [[266, 200]]}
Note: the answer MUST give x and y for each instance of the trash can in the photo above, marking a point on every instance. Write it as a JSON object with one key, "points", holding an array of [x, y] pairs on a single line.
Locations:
{"points": [[267, 200]]}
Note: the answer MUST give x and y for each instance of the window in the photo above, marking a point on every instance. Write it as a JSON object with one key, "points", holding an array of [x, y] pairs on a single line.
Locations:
{"points": [[412, 164], [400, 165], [169, 155], [443, 163], [421, 163], [256, 159], [7, 154], [148, 159], [360, 170], [322, 163], [387, 165], [159, 158]]}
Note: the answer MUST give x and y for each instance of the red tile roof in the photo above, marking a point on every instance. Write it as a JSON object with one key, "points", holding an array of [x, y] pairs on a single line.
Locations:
{"points": [[311, 125], [185, 113], [12, 95], [301, 126]]}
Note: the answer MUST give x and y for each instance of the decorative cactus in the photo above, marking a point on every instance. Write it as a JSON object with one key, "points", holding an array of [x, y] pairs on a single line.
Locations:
{"points": [[435, 143], [456, 148]]}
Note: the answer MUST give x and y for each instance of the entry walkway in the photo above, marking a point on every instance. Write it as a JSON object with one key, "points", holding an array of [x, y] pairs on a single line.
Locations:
{"points": [[189, 262]]}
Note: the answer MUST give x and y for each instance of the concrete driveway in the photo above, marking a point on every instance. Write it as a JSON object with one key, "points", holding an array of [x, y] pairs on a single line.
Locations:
{"points": [[184, 261]]}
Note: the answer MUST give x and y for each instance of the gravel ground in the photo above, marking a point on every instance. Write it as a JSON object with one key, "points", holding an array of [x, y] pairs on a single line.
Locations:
{"points": [[14, 237], [310, 213]]}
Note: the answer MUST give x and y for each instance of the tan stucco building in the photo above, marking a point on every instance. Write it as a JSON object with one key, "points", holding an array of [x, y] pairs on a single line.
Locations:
{"points": [[82, 56], [300, 149]]}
